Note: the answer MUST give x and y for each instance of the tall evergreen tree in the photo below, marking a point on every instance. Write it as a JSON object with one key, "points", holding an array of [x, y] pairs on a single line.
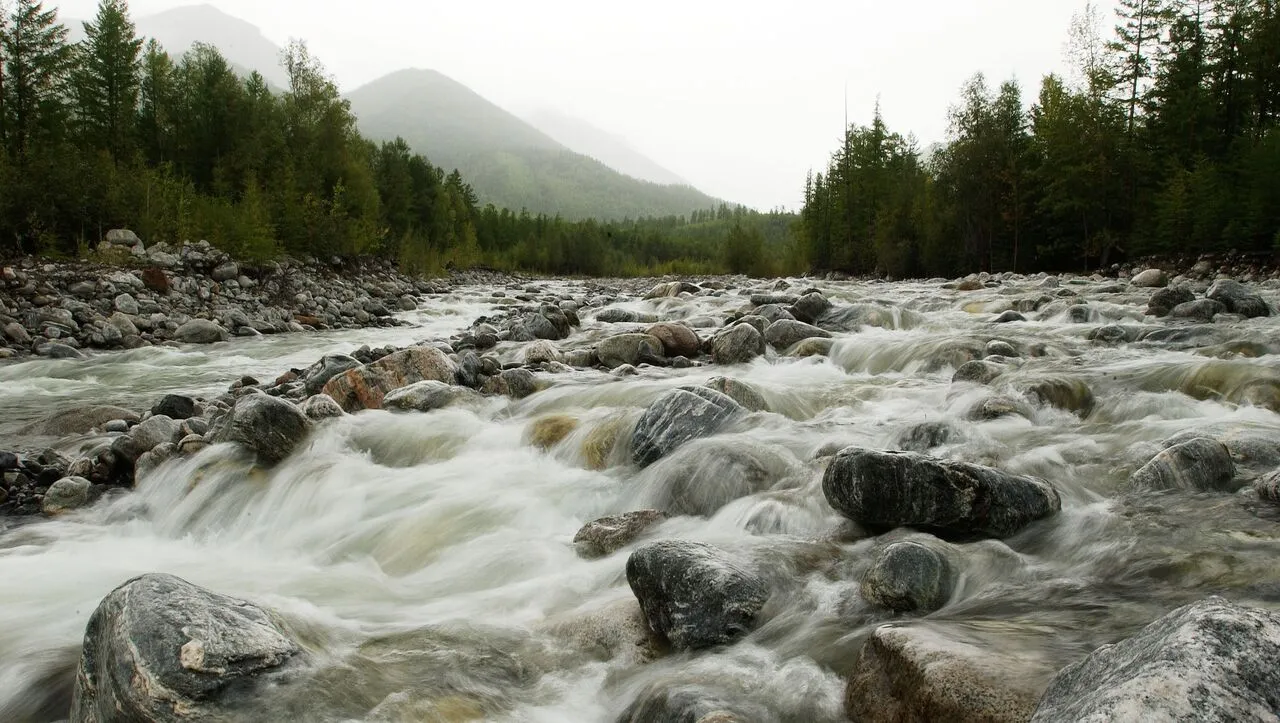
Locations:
{"points": [[106, 79], [1137, 40], [37, 60], [155, 104]]}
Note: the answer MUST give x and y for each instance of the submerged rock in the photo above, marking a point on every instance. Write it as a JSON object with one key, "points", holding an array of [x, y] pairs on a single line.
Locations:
{"points": [[695, 595], [271, 428], [1238, 298], [607, 535], [1199, 464], [909, 577], [426, 396], [906, 489], [1068, 394], [161, 649], [704, 475], [677, 417], [739, 391], [546, 432], [1209, 661], [78, 420], [785, 333], [1167, 299], [365, 387]]}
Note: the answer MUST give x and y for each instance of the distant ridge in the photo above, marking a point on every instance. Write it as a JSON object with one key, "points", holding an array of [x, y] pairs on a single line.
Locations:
{"points": [[614, 151]]}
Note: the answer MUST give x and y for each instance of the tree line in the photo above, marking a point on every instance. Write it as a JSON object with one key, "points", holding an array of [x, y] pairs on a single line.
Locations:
{"points": [[114, 132], [1166, 141]]}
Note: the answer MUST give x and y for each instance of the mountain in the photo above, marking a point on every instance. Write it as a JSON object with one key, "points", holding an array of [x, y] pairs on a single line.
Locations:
{"points": [[612, 150], [508, 161]]}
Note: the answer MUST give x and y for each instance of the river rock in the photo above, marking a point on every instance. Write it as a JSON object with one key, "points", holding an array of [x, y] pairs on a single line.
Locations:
{"points": [[514, 383], [738, 345], [272, 428], [365, 387], [1238, 298], [1150, 279], [126, 304], [909, 577], [615, 351], [200, 331], [225, 272], [1199, 464], [925, 436], [1209, 661], [677, 339], [1065, 393], [978, 371], [542, 351], [1199, 309], [328, 367], [695, 595], [785, 333], [615, 315], [426, 396], [77, 420], [739, 391], [677, 417], [810, 307], [546, 432], [1167, 299], [154, 430], [607, 535], [68, 493], [161, 649], [905, 489], [175, 406], [920, 673], [1008, 317]]}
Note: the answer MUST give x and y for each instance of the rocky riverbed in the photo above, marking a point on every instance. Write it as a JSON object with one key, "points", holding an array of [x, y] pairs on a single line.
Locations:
{"points": [[704, 500]]}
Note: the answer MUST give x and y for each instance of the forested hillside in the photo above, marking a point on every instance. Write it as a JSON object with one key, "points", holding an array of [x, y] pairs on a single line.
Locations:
{"points": [[1167, 142]]}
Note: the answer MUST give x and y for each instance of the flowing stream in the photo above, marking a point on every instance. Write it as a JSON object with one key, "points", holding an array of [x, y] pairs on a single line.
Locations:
{"points": [[426, 562]]}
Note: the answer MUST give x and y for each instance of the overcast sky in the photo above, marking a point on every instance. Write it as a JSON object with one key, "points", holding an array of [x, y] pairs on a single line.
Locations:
{"points": [[741, 98]]}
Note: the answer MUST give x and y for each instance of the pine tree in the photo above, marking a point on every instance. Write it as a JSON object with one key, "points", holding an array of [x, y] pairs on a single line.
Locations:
{"points": [[1137, 41], [37, 59], [4, 44], [106, 79], [155, 112]]}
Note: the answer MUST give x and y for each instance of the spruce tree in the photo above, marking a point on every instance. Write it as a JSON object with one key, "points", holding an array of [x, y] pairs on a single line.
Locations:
{"points": [[155, 114], [1137, 41], [37, 59], [105, 82]]}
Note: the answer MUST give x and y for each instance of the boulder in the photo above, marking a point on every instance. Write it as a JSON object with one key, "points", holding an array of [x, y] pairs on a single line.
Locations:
{"points": [[122, 237], [978, 371], [1209, 661], [321, 406], [1200, 464], [175, 406], [1238, 298], [200, 331], [160, 649], [1008, 317], [426, 396], [514, 383], [329, 366], [885, 490], [694, 595], [810, 307], [542, 351], [785, 333], [704, 475], [156, 280], [908, 577], [1150, 279], [677, 339], [272, 428], [126, 304], [615, 315], [607, 535], [1167, 299], [365, 387], [77, 420], [153, 431], [225, 272], [615, 351], [1065, 393], [677, 417], [738, 345], [921, 673], [1199, 309], [546, 432], [739, 391], [68, 493]]}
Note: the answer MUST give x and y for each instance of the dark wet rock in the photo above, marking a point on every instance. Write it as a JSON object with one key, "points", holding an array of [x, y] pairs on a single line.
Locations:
{"points": [[1199, 464], [926, 436], [470, 371], [60, 351], [365, 387], [633, 349], [77, 420], [978, 372], [1212, 660], [1065, 393], [321, 406], [739, 391], [685, 704], [1167, 299], [694, 595], [810, 307], [271, 428], [677, 417], [1001, 348], [161, 649], [615, 315], [1256, 449], [1238, 298], [426, 396], [1080, 314], [68, 493], [997, 407], [785, 333], [909, 577], [200, 331], [175, 406], [773, 312], [738, 345], [328, 367], [1200, 310], [886, 490], [773, 299], [677, 339], [514, 383], [607, 535], [1112, 335], [920, 673], [1008, 317]]}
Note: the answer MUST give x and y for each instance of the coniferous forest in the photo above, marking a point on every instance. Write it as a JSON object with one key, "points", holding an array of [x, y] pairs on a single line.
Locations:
{"points": [[1163, 140]]}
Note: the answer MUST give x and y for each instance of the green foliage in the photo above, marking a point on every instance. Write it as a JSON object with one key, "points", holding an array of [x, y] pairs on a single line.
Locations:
{"points": [[105, 80]]}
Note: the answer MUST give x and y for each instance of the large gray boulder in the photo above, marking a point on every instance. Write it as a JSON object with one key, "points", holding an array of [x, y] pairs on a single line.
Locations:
{"points": [[200, 331], [78, 420], [329, 366], [1150, 279], [908, 577], [426, 396], [272, 428], [785, 333], [163, 650], [695, 595], [1209, 661], [68, 493], [1200, 464], [615, 351], [885, 490], [154, 431], [607, 535], [1238, 298], [738, 345], [1167, 299], [677, 417]]}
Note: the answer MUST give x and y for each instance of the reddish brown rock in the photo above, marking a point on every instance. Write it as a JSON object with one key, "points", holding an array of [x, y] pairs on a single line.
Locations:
{"points": [[364, 387], [677, 339], [156, 280]]}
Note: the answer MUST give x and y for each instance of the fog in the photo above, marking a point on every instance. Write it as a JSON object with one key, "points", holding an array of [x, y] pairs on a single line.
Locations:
{"points": [[741, 99]]}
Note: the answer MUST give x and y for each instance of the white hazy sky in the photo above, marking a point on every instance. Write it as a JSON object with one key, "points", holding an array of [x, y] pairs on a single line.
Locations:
{"points": [[741, 98]]}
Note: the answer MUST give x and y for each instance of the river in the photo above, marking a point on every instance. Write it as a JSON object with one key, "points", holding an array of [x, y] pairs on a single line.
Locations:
{"points": [[425, 560]]}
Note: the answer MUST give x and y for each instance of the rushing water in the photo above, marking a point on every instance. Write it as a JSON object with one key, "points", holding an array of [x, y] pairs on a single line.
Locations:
{"points": [[426, 562]]}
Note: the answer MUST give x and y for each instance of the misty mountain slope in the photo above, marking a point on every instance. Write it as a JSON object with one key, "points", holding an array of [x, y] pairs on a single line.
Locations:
{"points": [[240, 42], [612, 150], [508, 162]]}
